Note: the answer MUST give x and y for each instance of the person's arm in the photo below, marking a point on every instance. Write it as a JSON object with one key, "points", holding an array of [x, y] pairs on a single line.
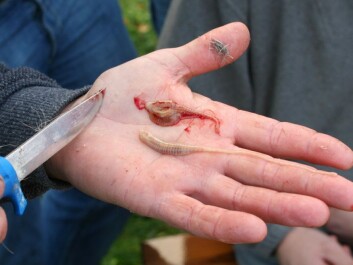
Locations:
{"points": [[28, 101], [227, 197]]}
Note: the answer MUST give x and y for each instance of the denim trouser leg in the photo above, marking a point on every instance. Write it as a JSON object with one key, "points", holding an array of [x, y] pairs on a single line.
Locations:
{"points": [[159, 10], [24, 236], [72, 41], [87, 228]]}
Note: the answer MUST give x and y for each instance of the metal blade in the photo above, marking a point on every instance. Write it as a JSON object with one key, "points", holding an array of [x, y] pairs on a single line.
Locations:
{"points": [[57, 134]]}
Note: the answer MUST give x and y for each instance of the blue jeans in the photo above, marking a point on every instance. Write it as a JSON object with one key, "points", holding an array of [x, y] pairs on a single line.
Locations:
{"points": [[159, 10], [72, 41]]}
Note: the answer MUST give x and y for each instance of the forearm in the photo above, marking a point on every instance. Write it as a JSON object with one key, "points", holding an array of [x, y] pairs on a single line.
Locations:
{"points": [[28, 101]]}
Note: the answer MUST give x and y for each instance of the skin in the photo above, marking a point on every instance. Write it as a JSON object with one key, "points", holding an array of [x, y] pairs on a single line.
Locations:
{"points": [[340, 224], [3, 221], [308, 246], [311, 246], [223, 197]]}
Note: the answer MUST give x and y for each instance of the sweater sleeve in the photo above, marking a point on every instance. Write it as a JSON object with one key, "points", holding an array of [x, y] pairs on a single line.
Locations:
{"points": [[28, 101]]}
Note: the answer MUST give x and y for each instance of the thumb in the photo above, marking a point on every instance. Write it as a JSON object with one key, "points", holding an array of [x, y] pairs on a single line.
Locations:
{"points": [[3, 222], [215, 49], [2, 186]]}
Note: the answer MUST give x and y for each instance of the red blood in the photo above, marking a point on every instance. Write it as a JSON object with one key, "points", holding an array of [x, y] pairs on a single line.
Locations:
{"points": [[187, 129], [97, 94], [139, 103], [191, 115], [168, 113]]}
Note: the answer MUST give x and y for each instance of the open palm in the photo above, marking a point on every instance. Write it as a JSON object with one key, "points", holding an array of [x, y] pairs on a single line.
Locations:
{"points": [[220, 196]]}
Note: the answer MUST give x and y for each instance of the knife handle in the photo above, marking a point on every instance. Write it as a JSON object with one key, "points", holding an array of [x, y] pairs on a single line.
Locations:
{"points": [[12, 186]]}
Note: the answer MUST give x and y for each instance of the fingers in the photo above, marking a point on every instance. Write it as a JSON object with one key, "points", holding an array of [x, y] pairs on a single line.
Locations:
{"points": [[2, 186], [270, 206], [282, 139], [211, 222], [333, 189], [3, 221], [3, 225], [210, 51], [347, 250], [337, 253]]}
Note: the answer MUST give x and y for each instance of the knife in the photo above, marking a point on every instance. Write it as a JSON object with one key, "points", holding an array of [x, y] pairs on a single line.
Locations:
{"points": [[43, 145]]}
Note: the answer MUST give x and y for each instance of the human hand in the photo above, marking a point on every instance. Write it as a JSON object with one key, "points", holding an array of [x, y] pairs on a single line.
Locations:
{"points": [[308, 246], [341, 225], [219, 196], [3, 220]]}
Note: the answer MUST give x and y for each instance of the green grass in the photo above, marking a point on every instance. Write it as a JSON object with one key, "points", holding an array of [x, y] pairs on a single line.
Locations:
{"points": [[126, 250], [138, 21]]}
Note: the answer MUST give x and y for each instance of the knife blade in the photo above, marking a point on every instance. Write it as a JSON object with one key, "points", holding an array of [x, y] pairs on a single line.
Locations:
{"points": [[43, 145]]}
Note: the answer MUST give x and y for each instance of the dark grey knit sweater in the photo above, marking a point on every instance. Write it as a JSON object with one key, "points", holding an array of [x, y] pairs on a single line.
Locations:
{"points": [[299, 68], [29, 100]]}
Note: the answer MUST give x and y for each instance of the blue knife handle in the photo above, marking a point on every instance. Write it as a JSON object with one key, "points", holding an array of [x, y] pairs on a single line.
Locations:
{"points": [[12, 186]]}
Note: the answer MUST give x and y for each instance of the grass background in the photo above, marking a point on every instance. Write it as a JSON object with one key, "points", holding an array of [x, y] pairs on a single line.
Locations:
{"points": [[138, 21], [126, 250]]}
